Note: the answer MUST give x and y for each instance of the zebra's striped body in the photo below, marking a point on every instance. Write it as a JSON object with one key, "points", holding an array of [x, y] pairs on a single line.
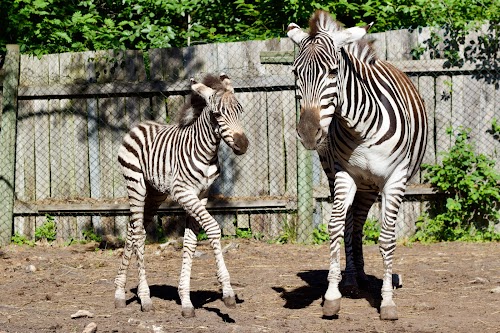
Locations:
{"points": [[181, 161], [368, 124]]}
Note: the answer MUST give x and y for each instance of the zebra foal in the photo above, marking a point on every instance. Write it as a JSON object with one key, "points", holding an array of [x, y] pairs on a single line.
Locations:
{"points": [[181, 161], [368, 124]]}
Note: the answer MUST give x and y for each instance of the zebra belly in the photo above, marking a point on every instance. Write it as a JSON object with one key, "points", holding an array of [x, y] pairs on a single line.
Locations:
{"points": [[162, 182], [369, 166]]}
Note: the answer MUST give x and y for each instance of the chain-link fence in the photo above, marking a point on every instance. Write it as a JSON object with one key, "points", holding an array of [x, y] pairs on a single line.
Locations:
{"points": [[64, 116]]}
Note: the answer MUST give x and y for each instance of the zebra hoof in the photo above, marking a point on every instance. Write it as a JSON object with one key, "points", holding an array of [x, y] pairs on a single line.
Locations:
{"points": [[331, 308], [363, 281], [349, 286], [120, 303], [188, 312], [351, 291], [229, 301], [388, 312], [146, 305]]}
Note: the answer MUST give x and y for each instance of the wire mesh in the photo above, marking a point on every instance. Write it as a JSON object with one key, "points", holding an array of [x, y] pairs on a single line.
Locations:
{"points": [[73, 110]]}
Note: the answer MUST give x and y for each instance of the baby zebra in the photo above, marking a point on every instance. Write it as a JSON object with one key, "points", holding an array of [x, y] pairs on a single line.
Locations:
{"points": [[181, 161]]}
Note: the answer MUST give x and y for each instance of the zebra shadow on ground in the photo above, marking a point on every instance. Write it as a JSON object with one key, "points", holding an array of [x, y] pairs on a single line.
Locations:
{"points": [[316, 287], [199, 298]]}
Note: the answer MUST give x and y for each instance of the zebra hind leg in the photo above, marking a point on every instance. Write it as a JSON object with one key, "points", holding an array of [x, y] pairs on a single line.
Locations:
{"points": [[136, 237], [188, 249], [361, 207], [121, 277], [151, 203], [143, 207], [349, 284], [387, 245]]}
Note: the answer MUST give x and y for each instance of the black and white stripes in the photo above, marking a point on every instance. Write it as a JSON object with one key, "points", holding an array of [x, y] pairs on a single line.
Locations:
{"points": [[368, 124], [181, 161]]}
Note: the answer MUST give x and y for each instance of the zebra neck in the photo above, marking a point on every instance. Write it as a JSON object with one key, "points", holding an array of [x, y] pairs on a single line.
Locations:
{"points": [[205, 140], [359, 111]]}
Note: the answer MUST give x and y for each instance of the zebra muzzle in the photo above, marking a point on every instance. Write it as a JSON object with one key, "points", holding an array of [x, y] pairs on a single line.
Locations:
{"points": [[240, 143], [309, 129]]}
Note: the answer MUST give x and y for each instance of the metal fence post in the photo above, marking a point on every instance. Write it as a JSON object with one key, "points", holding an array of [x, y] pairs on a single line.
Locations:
{"points": [[8, 142], [305, 199]]}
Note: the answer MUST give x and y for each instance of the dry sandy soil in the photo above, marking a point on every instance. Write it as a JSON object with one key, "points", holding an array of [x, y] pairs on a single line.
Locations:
{"points": [[449, 287]]}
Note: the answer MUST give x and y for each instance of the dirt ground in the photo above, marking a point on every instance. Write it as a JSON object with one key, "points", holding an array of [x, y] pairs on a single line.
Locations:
{"points": [[448, 287]]}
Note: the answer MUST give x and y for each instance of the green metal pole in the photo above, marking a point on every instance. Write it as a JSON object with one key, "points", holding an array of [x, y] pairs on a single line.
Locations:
{"points": [[8, 142], [305, 200]]}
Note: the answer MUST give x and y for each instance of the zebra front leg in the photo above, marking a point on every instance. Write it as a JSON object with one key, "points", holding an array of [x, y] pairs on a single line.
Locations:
{"points": [[391, 200], [331, 305], [196, 208], [344, 191]]}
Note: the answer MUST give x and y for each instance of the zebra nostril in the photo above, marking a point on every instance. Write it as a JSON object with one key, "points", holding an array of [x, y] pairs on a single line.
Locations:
{"points": [[319, 135]]}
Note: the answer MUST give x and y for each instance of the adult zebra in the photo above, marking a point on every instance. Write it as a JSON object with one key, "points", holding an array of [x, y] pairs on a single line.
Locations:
{"points": [[368, 124], [180, 160]]}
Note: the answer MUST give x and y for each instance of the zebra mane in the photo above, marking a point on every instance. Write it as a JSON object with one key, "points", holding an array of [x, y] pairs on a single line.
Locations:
{"points": [[322, 21], [195, 104]]}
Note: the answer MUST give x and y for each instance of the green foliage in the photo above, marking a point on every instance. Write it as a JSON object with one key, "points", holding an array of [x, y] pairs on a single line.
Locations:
{"points": [[202, 235], [53, 26], [371, 231], [320, 234], [289, 232], [21, 240], [472, 188], [89, 235], [244, 233], [495, 129], [47, 230]]}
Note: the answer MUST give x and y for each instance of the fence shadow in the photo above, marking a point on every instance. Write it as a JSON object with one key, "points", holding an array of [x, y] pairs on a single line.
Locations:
{"points": [[316, 287]]}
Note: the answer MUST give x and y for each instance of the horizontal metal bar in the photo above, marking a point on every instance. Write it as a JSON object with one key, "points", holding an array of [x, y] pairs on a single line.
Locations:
{"points": [[323, 192], [428, 66], [119, 89], [121, 207]]}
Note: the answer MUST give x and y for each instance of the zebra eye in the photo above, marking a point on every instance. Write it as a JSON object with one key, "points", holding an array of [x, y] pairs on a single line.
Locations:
{"points": [[298, 97], [333, 73], [294, 71]]}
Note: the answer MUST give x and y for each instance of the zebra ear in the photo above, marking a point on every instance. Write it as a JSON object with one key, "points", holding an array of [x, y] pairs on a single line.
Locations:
{"points": [[201, 89], [344, 37], [226, 82], [295, 33]]}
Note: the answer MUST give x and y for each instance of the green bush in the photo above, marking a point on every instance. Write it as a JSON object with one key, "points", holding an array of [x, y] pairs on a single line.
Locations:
{"points": [[47, 230], [320, 234], [371, 231], [21, 240], [471, 188], [90, 235], [289, 232]]}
